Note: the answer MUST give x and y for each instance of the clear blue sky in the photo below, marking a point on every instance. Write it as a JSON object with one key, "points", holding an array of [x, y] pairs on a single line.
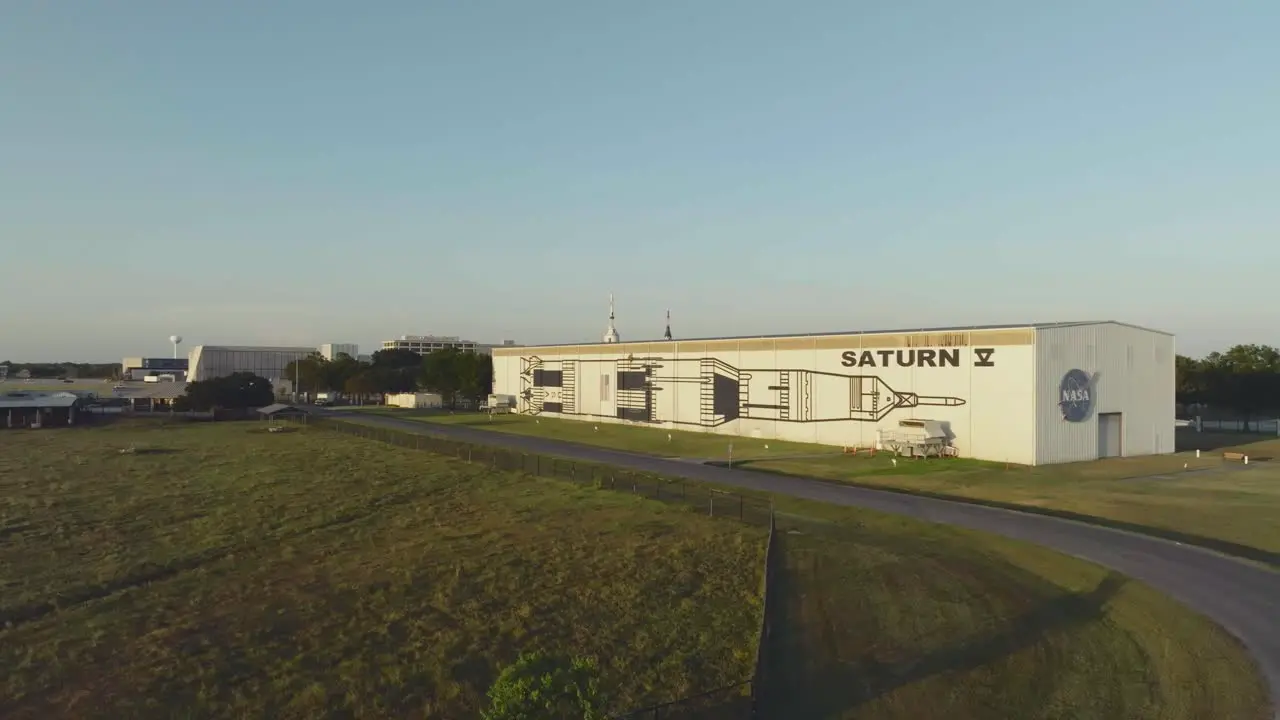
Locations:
{"points": [[298, 172]]}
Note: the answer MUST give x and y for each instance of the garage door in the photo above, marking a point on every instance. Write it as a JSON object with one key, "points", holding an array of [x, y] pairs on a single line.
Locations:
{"points": [[1109, 435]]}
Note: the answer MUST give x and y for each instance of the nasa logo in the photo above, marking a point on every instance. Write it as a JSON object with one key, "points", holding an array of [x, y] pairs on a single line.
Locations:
{"points": [[1075, 396]]}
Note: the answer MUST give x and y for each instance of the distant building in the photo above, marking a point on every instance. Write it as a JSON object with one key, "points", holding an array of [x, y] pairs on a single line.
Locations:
{"points": [[138, 368], [331, 351], [488, 349], [214, 361], [423, 344]]}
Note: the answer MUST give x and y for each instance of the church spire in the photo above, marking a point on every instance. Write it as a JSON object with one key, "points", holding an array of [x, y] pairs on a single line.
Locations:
{"points": [[667, 335]]}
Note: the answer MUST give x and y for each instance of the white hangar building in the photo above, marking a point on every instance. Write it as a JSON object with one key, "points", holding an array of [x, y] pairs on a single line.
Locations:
{"points": [[1028, 394]]}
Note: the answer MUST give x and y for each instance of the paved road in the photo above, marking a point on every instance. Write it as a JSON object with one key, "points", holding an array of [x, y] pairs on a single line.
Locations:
{"points": [[1242, 597]]}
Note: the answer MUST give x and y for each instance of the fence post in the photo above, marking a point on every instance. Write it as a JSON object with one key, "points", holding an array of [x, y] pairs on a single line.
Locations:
{"points": [[468, 454], [711, 504], [739, 507]]}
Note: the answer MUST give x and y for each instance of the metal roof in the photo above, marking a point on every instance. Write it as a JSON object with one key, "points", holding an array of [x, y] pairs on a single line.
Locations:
{"points": [[277, 408], [14, 401], [949, 328]]}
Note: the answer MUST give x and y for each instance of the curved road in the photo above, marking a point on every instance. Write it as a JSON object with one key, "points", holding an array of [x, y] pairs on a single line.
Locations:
{"points": [[1242, 597]]}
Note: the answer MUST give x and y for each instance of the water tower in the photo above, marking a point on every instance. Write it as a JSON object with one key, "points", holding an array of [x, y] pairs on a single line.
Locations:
{"points": [[176, 340]]}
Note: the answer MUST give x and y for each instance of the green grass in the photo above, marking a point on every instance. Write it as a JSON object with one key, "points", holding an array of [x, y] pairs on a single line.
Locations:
{"points": [[311, 574], [1208, 499], [1236, 508], [223, 572], [673, 443], [881, 619]]}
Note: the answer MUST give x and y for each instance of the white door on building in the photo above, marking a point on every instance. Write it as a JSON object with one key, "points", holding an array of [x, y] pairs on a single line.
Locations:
{"points": [[1109, 435]]}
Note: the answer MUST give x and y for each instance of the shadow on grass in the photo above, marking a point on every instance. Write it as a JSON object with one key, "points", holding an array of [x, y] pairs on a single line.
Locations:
{"points": [[1226, 547], [807, 678]]}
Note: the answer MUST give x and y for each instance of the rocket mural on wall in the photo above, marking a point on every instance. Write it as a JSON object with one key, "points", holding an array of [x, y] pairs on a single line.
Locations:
{"points": [[725, 393]]}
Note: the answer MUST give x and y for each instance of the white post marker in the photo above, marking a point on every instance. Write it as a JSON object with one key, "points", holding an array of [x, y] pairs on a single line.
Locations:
{"points": [[730, 456], [1197, 453], [1246, 459]]}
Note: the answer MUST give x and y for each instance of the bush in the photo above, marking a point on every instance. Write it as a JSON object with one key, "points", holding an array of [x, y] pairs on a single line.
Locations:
{"points": [[539, 687]]}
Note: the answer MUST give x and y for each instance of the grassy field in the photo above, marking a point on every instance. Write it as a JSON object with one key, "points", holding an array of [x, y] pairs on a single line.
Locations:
{"points": [[881, 619], [624, 437], [220, 571], [230, 572], [1206, 498], [1209, 498]]}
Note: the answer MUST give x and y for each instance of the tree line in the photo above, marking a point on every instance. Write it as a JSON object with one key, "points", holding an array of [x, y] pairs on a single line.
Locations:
{"points": [[1243, 382], [237, 391], [44, 371], [453, 374]]}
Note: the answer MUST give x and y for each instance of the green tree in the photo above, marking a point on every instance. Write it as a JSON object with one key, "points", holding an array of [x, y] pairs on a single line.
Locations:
{"points": [[441, 372], [540, 687], [475, 375], [310, 373], [65, 369], [1246, 379], [396, 371], [340, 370], [1192, 380], [363, 384], [396, 358], [237, 391]]}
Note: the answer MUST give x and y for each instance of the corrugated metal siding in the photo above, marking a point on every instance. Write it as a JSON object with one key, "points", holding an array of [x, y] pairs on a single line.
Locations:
{"points": [[992, 421], [1133, 371]]}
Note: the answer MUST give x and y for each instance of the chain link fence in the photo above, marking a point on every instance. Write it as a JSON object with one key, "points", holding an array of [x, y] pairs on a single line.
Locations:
{"points": [[733, 702]]}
